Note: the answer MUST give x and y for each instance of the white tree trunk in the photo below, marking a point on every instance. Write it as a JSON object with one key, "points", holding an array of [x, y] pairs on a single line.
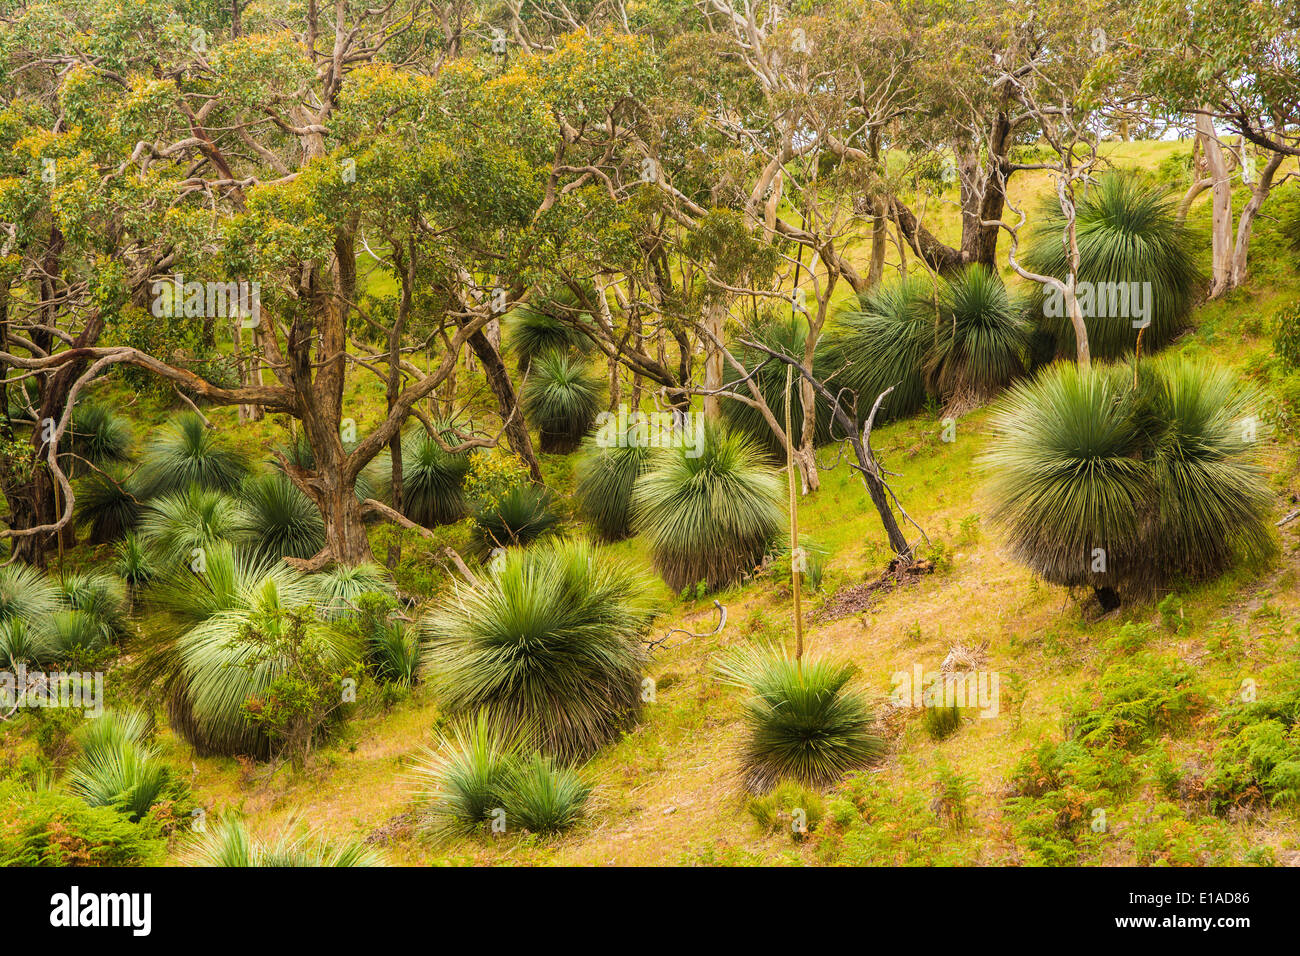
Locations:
{"points": [[1221, 196]]}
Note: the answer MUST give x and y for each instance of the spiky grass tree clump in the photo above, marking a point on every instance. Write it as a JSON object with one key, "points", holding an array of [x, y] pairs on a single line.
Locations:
{"points": [[480, 775], [804, 721], [607, 472], [116, 766], [208, 667], [278, 520], [543, 797], [101, 597], [882, 340], [1123, 487], [534, 329], [73, 637], [194, 592], [27, 595], [222, 672], [549, 645], [709, 517], [28, 603], [433, 480], [393, 653], [132, 563], [1128, 232], [465, 780], [107, 501], [176, 526], [983, 338], [96, 435], [781, 333], [561, 399], [229, 844], [217, 666], [1214, 504], [20, 643], [1068, 482], [186, 452], [521, 515]]}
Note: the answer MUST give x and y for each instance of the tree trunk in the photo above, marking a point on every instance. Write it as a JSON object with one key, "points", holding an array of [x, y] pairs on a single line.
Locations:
{"points": [[1258, 194], [345, 526], [1221, 197], [498, 378], [346, 540], [1083, 353], [807, 452], [879, 246], [715, 318], [983, 196]]}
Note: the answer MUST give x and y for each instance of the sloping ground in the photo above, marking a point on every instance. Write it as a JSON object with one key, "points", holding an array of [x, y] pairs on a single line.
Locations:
{"points": [[669, 792]]}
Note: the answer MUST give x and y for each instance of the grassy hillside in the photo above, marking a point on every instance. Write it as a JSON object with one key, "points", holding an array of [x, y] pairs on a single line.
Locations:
{"points": [[1159, 685]]}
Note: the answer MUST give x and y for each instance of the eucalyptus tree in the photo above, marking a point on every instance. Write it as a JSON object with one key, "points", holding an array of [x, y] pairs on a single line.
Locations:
{"points": [[1230, 66], [78, 238], [265, 155]]}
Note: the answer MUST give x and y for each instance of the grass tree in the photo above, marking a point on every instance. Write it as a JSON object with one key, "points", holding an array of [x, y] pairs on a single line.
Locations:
{"points": [[982, 340], [550, 325], [22, 643], [480, 778], [881, 340], [1133, 252], [1124, 485], [187, 452], [561, 398], [711, 513], [520, 515], [229, 844], [548, 645], [462, 783], [133, 564], [99, 437], [804, 720], [178, 526], [107, 501], [607, 472], [433, 480], [342, 585], [215, 661], [277, 519], [27, 595], [116, 766], [101, 597], [544, 797]]}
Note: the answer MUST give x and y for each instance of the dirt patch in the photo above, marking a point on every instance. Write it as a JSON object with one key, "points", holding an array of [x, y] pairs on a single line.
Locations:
{"points": [[856, 598], [398, 827]]}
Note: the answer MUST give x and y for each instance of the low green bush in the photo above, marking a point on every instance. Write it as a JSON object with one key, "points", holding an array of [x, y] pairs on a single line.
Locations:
{"points": [[48, 828]]}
